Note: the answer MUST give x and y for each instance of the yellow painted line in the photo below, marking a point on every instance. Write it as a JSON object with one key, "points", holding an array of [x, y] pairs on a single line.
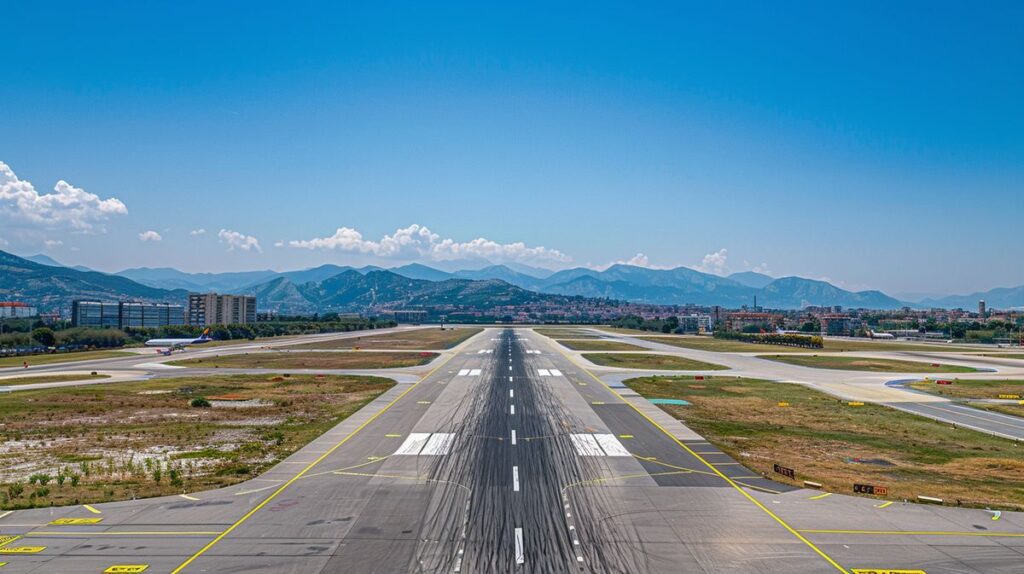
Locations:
{"points": [[422, 402], [884, 505], [91, 509], [5, 514], [625, 436], [393, 435], [126, 569], [885, 571], [5, 540], [22, 549], [2, 564], [309, 467], [187, 497], [919, 533], [732, 483], [820, 496], [75, 521], [597, 403]]}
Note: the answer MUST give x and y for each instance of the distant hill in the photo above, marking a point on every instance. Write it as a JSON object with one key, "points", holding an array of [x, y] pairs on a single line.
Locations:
{"points": [[752, 279], [418, 271], [54, 287], [47, 260], [170, 278], [999, 298], [354, 291], [797, 292]]}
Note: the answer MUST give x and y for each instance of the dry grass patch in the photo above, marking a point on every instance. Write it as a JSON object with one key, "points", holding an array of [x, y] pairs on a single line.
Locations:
{"points": [[844, 363], [566, 333], [311, 360], [827, 441], [706, 343], [430, 338], [113, 442], [49, 379], [970, 389], [61, 358], [650, 361]]}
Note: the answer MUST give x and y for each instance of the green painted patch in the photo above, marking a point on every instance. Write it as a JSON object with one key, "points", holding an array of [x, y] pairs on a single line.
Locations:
{"points": [[678, 402]]}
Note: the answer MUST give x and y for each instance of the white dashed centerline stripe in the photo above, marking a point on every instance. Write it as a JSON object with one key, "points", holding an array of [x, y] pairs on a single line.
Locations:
{"points": [[511, 409], [511, 393], [520, 555], [515, 479], [513, 437]]}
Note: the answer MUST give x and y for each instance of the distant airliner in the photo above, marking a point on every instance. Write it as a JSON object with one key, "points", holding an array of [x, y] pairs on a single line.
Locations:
{"points": [[172, 344], [872, 334]]}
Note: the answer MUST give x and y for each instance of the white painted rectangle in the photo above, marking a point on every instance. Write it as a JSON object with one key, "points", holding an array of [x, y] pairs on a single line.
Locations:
{"points": [[515, 479], [413, 443], [520, 554], [544, 372], [439, 444], [556, 373], [474, 372], [511, 409], [463, 372], [511, 393], [611, 445], [586, 445], [513, 437]]}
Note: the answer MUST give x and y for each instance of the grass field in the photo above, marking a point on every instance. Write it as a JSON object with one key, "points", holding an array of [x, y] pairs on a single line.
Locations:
{"points": [[119, 441], [49, 379], [429, 338], [61, 358], [596, 345], [964, 389], [311, 360], [703, 343], [825, 440], [650, 361], [844, 363]]}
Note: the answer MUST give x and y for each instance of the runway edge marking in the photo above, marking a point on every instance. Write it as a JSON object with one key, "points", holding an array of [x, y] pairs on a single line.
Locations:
{"points": [[309, 467], [746, 494]]}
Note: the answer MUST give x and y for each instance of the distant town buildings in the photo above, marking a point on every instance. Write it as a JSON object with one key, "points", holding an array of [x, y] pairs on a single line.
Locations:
{"points": [[981, 308], [125, 314], [16, 310], [840, 325], [206, 309]]}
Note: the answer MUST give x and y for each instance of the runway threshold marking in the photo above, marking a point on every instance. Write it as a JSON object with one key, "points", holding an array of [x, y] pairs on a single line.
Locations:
{"points": [[717, 472], [302, 472]]}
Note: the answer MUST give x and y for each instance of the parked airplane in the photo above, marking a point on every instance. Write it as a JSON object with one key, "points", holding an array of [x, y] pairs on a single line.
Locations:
{"points": [[172, 344], [873, 335]]}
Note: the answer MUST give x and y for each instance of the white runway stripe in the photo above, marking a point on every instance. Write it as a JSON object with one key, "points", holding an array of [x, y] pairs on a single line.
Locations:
{"points": [[586, 445], [544, 372], [556, 373], [611, 445], [413, 443], [440, 443]]}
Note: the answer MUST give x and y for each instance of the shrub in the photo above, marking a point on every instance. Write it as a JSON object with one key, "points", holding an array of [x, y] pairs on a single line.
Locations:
{"points": [[200, 403]]}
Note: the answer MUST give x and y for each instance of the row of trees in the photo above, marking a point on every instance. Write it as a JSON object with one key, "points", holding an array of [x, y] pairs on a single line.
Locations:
{"points": [[785, 339], [666, 325]]}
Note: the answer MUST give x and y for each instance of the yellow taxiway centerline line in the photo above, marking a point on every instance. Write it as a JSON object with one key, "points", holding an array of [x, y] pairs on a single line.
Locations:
{"points": [[732, 483], [820, 496], [309, 467], [91, 509], [48, 533]]}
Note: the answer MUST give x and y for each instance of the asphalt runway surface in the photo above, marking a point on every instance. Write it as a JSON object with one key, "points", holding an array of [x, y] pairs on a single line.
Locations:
{"points": [[508, 455]]}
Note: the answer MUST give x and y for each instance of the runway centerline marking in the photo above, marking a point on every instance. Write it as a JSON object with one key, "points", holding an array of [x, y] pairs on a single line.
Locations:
{"points": [[302, 472], [513, 437], [511, 409], [520, 554], [515, 479]]}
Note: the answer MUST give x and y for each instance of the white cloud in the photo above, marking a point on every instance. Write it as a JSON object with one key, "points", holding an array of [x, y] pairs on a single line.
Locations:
{"points": [[762, 268], [195, 232], [236, 240], [150, 236], [279, 244], [3, 242], [638, 260], [418, 242], [716, 262], [53, 243], [67, 207]]}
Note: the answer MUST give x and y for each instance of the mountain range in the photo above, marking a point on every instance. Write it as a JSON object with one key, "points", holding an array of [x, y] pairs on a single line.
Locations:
{"points": [[338, 287]]}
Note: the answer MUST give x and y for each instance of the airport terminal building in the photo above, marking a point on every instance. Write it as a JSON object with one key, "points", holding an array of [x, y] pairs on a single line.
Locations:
{"points": [[125, 314]]}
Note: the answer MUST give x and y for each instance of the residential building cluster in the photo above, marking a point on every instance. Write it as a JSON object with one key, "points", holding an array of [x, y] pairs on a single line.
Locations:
{"points": [[203, 310]]}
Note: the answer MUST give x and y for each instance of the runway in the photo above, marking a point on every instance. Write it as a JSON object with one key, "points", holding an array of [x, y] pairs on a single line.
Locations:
{"points": [[509, 456]]}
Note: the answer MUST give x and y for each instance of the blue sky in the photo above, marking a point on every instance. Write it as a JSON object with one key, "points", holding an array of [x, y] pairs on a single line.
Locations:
{"points": [[876, 144]]}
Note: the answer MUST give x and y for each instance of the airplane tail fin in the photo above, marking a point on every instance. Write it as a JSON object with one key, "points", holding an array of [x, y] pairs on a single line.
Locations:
{"points": [[206, 334]]}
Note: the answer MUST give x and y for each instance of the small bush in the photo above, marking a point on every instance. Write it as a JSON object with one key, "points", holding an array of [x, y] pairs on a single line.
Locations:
{"points": [[200, 403]]}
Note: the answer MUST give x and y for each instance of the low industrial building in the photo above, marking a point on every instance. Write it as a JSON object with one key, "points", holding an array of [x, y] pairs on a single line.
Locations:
{"points": [[16, 310]]}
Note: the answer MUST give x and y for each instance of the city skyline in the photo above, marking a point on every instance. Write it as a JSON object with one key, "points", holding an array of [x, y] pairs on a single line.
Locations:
{"points": [[853, 153]]}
